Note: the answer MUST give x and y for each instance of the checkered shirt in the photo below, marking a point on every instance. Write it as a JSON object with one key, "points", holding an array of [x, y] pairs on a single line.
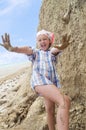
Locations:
{"points": [[44, 68]]}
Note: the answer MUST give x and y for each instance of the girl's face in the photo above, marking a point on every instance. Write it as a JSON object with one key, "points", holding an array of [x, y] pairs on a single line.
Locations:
{"points": [[43, 42]]}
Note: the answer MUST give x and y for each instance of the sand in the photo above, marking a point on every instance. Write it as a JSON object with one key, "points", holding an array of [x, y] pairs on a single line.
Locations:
{"points": [[20, 106], [13, 86]]}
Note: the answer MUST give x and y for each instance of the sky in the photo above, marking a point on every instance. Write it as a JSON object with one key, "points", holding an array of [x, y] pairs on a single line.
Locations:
{"points": [[18, 18]]}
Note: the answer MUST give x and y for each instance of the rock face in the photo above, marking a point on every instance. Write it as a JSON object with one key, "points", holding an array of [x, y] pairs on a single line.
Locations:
{"points": [[20, 107], [69, 16]]}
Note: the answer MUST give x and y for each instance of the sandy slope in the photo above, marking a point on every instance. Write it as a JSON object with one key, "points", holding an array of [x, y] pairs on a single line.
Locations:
{"points": [[20, 107]]}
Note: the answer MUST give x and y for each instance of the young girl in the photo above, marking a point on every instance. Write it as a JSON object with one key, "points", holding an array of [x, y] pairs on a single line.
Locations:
{"points": [[44, 77]]}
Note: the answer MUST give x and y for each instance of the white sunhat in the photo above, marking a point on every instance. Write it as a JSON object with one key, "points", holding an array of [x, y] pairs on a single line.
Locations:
{"points": [[50, 35]]}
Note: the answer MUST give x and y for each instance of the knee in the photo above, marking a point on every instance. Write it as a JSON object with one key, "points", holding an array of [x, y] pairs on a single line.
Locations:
{"points": [[68, 101], [65, 102]]}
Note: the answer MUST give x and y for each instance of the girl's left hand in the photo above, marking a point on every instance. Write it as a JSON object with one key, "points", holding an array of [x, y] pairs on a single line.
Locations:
{"points": [[65, 41]]}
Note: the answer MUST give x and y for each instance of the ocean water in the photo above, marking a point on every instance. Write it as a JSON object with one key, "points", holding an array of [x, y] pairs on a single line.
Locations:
{"points": [[7, 69]]}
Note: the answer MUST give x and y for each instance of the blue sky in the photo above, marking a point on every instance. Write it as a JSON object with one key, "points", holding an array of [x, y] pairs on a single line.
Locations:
{"points": [[20, 19]]}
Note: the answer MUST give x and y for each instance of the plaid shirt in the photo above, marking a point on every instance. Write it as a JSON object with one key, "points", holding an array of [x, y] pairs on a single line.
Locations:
{"points": [[44, 70]]}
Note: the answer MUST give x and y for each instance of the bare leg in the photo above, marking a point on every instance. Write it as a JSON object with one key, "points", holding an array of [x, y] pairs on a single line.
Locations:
{"points": [[52, 93], [63, 115], [50, 109]]}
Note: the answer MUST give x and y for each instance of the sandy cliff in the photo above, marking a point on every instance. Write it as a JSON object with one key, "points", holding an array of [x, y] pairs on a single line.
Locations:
{"points": [[69, 16]]}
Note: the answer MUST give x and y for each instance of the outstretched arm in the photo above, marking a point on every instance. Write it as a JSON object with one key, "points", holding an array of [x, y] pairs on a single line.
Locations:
{"points": [[7, 45], [65, 41]]}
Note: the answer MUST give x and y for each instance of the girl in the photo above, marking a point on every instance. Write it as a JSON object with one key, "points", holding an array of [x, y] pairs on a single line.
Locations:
{"points": [[44, 78]]}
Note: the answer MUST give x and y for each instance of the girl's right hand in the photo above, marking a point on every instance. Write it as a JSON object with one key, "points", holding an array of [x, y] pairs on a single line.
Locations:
{"points": [[6, 42]]}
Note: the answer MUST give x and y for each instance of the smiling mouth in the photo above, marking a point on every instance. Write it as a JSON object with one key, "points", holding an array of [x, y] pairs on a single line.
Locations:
{"points": [[43, 45]]}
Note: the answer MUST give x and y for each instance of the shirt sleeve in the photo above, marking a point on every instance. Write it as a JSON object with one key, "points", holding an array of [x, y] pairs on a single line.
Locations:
{"points": [[54, 57], [31, 57]]}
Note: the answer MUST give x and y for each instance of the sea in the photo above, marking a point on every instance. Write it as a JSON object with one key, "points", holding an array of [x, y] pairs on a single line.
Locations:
{"points": [[7, 69]]}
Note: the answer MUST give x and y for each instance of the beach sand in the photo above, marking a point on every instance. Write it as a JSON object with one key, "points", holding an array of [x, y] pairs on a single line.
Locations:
{"points": [[20, 106], [14, 88]]}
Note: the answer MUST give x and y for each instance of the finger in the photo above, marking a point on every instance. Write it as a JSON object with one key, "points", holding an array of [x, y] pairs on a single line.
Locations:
{"points": [[3, 40], [6, 37], [64, 38], [64, 35]]}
